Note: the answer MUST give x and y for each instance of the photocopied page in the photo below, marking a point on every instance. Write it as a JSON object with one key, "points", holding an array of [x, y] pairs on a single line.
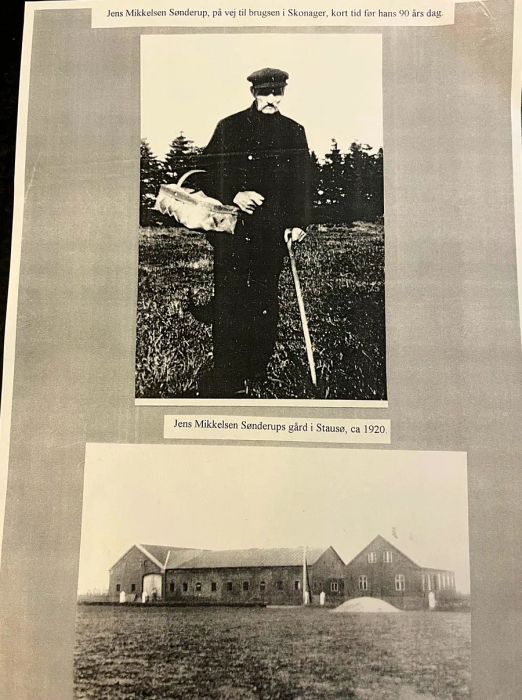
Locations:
{"points": [[261, 401]]}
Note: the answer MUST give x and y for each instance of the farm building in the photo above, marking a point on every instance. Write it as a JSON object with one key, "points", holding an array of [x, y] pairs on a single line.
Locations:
{"points": [[241, 576], [272, 576], [276, 576], [142, 568], [384, 571]]}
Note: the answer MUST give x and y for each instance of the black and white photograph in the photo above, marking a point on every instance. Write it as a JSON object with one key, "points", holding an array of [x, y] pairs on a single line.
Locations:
{"points": [[261, 239], [343, 576], [171, 526]]}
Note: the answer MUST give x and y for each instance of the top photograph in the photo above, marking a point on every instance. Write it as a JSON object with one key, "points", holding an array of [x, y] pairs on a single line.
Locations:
{"points": [[261, 232]]}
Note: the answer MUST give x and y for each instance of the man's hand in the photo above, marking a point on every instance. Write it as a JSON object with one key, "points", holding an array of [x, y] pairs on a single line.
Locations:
{"points": [[294, 234], [248, 201]]}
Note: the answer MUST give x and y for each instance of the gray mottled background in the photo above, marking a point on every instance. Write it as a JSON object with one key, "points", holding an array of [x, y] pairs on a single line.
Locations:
{"points": [[454, 361]]}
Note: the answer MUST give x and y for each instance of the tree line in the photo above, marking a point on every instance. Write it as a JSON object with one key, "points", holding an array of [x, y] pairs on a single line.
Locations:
{"points": [[346, 186]]}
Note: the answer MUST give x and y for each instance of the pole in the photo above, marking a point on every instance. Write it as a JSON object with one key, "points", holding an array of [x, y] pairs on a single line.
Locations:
{"points": [[302, 312], [305, 597]]}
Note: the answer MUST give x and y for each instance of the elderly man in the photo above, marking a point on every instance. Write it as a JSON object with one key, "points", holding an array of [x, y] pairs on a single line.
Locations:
{"points": [[258, 160]]}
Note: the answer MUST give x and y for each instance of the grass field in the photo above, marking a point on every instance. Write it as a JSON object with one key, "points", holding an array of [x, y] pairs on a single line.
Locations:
{"points": [[278, 653], [342, 276]]}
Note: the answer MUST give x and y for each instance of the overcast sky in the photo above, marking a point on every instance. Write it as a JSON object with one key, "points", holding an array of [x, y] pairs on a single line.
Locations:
{"points": [[222, 497], [190, 82]]}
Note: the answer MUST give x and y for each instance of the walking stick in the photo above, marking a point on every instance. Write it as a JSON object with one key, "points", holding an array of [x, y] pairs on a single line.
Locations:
{"points": [[300, 302]]}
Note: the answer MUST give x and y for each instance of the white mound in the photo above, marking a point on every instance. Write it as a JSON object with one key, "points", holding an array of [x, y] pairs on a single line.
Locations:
{"points": [[366, 605]]}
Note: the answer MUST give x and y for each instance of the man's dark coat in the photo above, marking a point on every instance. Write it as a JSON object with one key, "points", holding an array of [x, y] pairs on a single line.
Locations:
{"points": [[268, 154]]}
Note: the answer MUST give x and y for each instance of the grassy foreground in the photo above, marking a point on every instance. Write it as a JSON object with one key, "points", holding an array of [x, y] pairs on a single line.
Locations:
{"points": [[269, 654], [341, 270]]}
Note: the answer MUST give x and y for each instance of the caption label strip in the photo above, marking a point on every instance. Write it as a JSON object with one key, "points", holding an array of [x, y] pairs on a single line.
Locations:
{"points": [[352, 430], [249, 13]]}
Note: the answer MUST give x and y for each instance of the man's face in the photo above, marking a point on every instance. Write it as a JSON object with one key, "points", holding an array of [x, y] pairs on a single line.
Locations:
{"points": [[268, 99]]}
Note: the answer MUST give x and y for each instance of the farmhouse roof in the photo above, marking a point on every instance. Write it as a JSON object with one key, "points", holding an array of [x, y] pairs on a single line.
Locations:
{"points": [[409, 545], [161, 555], [233, 558], [164, 554], [177, 556]]}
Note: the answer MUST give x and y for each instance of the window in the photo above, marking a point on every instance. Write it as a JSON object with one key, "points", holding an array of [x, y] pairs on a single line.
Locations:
{"points": [[400, 582], [297, 585], [229, 585], [279, 585], [387, 557], [372, 557], [198, 586], [118, 587], [213, 586], [334, 586], [262, 586], [363, 583], [133, 587], [171, 587], [185, 586], [245, 585]]}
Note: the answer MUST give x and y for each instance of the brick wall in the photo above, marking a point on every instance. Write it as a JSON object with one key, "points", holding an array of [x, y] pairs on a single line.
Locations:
{"points": [[327, 575], [129, 571], [380, 573], [279, 585]]}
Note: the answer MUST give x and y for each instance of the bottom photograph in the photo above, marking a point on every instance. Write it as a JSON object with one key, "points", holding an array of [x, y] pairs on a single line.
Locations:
{"points": [[273, 572]]}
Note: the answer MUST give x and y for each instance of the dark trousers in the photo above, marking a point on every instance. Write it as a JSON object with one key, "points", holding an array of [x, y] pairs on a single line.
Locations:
{"points": [[246, 278]]}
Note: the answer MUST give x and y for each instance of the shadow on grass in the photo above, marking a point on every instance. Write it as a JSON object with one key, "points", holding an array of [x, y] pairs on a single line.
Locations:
{"points": [[341, 269]]}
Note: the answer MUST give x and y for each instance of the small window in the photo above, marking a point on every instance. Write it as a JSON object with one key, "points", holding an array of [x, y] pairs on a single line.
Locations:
{"points": [[279, 585], [297, 585], [400, 582], [198, 586], [118, 587], [262, 586], [363, 583], [387, 557], [229, 585], [372, 557], [133, 587], [185, 586], [213, 586], [334, 586], [245, 585], [171, 587]]}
